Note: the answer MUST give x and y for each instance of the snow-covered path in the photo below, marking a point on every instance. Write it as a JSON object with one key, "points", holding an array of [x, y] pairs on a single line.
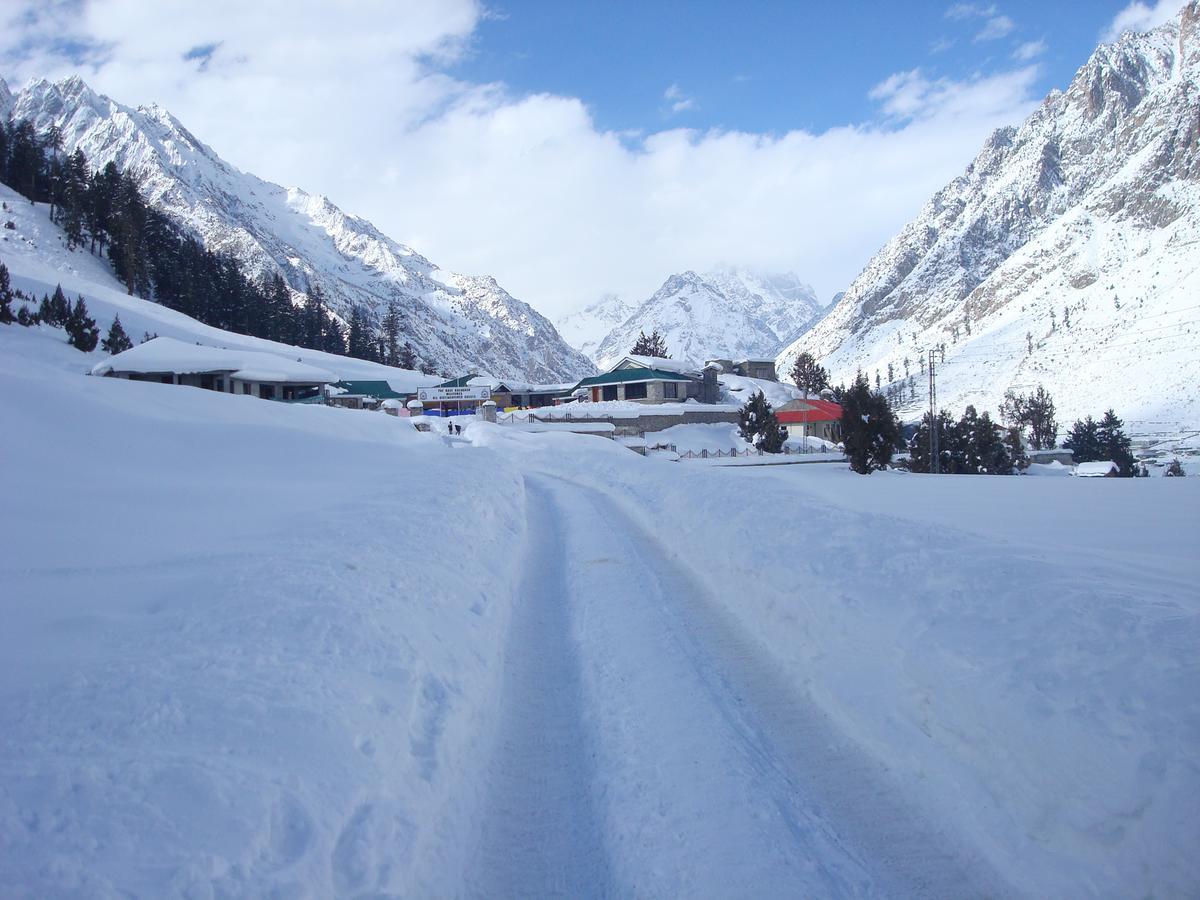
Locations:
{"points": [[541, 835], [648, 748]]}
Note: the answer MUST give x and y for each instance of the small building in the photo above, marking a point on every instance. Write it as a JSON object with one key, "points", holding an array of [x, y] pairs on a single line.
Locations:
{"points": [[512, 394], [652, 379], [362, 394], [815, 418], [1062, 455], [1098, 469], [640, 384], [762, 369], [268, 376]]}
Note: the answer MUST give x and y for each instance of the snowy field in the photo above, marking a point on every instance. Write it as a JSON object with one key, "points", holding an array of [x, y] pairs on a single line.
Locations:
{"points": [[253, 649]]}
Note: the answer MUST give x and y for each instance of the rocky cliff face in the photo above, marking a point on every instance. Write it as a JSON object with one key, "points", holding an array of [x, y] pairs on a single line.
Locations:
{"points": [[1067, 253], [456, 322], [727, 313]]}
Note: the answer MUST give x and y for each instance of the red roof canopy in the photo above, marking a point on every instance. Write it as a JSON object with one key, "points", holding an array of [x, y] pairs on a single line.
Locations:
{"points": [[821, 411]]}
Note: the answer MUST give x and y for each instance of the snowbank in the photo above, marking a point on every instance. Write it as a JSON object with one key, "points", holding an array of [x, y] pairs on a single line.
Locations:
{"points": [[717, 436], [242, 653]]}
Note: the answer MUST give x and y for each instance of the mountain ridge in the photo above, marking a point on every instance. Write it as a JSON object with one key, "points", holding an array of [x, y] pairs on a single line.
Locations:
{"points": [[1087, 212], [454, 321], [725, 312]]}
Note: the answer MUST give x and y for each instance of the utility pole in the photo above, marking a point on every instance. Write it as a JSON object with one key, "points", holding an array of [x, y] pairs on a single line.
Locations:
{"points": [[934, 463]]}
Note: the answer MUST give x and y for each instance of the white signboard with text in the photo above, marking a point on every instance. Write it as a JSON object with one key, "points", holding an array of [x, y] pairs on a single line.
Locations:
{"points": [[451, 394]]}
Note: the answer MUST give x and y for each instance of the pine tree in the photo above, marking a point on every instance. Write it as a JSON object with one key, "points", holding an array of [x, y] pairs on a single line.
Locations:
{"points": [[55, 309], [117, 340], [809, 375], [390, 333], [1083, 440], [1115, 444], [6, 296], [758, 425], [408, 357], [358, 339], [654, 345], [991, 449], [870, 432], [1015, 447], [1174, 470], [82, 333], [919, 459]]}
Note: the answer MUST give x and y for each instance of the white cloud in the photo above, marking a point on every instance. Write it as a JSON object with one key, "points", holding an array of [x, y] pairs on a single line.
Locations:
{"points": [[970, 11], [1029, 50], [995, 28], [679, 101], [1139, 16], [351, 101], [941, 45]]}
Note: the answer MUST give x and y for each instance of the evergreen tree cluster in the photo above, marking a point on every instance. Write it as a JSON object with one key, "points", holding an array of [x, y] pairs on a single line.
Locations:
{"points": [[870, 432], [55, 310], [758, 424], [974, 445], [104, 212], [650, 345], [1092, 441]]}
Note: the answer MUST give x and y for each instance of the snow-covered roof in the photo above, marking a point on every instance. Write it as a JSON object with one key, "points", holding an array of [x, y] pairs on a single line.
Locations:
{"points": [[679, 366], [165, 354], [521, 387], [1096, 469]]}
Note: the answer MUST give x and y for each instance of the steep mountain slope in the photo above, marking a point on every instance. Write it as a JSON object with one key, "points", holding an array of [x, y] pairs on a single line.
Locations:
{"points": [[1067, 254], [455, 321], [585, 328], [35, 252], [726, 313]]}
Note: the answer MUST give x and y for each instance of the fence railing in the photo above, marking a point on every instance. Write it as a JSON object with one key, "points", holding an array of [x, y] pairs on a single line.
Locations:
{"points": [[530, 418]]}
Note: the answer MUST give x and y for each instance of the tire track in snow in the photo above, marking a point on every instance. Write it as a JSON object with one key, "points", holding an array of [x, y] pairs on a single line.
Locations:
{"points": [[720, 777], [540, 836]]}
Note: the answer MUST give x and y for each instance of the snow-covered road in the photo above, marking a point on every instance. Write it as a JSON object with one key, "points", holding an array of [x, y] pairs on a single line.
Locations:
{"points": [[647, 747]]}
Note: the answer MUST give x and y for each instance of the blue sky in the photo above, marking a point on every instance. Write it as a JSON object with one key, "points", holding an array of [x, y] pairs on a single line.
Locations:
{"points": [[768, 67], [574, 150]]}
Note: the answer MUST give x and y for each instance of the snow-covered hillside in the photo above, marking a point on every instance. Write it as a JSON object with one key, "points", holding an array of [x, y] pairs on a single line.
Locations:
{"points": [[456, 322], [35, 252], [1067, 254], [727, 313]]}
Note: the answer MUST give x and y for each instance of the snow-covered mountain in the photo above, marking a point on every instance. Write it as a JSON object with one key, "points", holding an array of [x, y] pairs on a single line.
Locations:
{"points": [[724, 313], [585, 328], [1067, 254], [455, 321]]}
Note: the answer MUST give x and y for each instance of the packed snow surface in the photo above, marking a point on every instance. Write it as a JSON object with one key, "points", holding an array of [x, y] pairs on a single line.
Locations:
{"points": [[255, 649]]}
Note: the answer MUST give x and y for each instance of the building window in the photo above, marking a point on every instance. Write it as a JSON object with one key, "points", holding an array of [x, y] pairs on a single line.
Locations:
{"points": [[266, 391], [246, 387], [635, 391], [670, 390], [609, 392]]}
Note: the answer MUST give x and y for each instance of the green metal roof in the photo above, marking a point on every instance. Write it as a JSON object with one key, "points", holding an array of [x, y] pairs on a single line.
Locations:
{"points": [[378, 389], [623, 375]]}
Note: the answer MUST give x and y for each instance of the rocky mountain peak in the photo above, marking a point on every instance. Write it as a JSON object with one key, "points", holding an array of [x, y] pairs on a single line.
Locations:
{"points": [[454, 322]]}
